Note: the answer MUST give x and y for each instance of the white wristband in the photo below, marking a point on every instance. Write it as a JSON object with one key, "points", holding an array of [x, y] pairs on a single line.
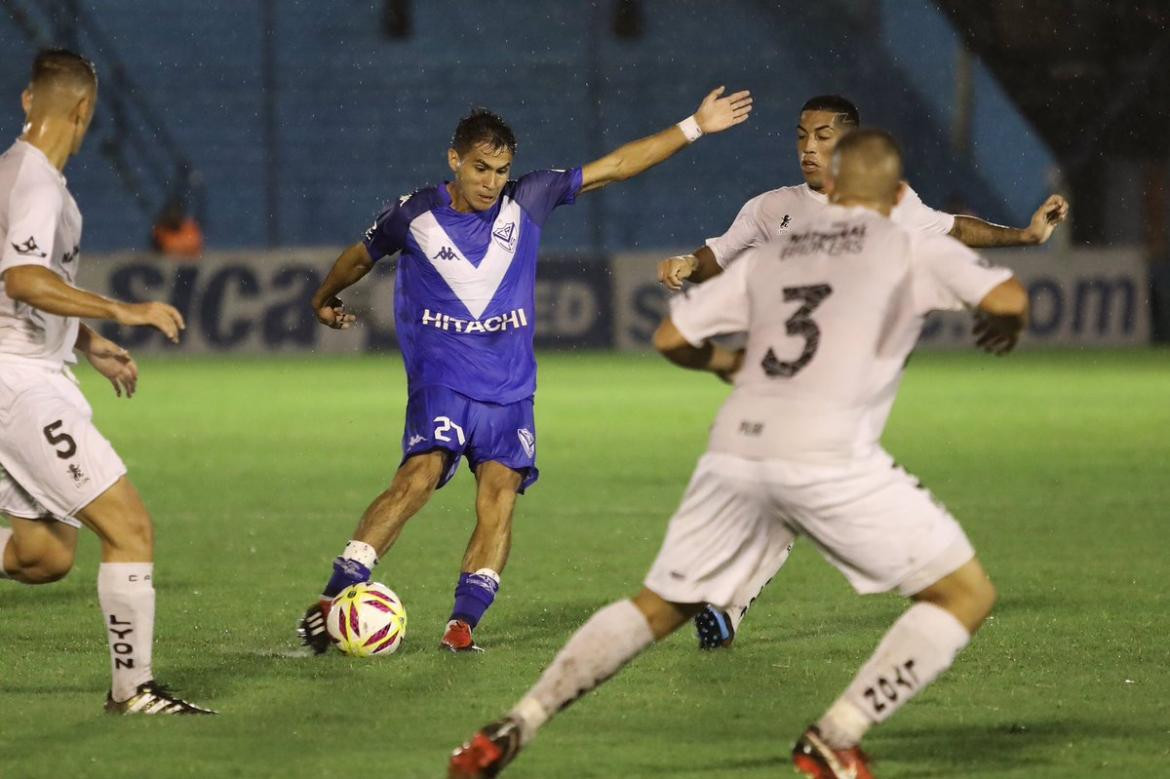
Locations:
{"points": [[691, 129]]}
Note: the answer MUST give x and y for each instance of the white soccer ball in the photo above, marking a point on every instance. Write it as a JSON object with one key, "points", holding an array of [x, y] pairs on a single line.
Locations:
{"points": [[367, 620]]}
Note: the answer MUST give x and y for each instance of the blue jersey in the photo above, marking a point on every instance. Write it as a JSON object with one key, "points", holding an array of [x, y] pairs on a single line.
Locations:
{"points": [[464, 294]]}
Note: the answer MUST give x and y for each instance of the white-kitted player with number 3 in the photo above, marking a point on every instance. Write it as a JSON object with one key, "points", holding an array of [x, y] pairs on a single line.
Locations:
{"points": [[831, 311], [823, 121], [57, 472]]}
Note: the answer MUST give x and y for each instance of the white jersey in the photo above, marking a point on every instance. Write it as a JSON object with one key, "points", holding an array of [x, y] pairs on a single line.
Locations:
{"points": [[773, 214], [832, 311], [40, 224]]}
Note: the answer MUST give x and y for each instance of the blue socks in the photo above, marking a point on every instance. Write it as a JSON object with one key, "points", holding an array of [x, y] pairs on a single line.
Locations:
{"points": [[474, 593], [352, 567], [345, 573]]}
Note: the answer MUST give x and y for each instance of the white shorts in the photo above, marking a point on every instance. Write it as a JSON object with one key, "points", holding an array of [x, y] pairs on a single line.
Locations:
{"points": [[873, 521], [53, 461]]}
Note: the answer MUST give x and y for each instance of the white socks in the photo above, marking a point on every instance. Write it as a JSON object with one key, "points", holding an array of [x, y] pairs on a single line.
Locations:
{"points": [[5, 534], [611, 638], [917, 648], [126, 594]]}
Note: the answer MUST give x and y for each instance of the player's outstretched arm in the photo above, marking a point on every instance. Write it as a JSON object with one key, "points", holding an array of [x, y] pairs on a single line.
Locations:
{"points": [[39, 287], [351, 266], [979, 234], [108, 359], [1000, 317], [671, 344], [715, 114]]}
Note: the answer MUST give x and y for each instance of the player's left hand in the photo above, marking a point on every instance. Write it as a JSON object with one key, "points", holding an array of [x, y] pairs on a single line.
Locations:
{"points": [[674, 270], [333, 314], [1052, 212], [716, 114], [995, 335], [115, 363]]}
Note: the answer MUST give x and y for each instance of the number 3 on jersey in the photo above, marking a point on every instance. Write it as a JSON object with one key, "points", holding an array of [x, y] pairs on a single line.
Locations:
{"points": [[799, 324], [445, 425]]}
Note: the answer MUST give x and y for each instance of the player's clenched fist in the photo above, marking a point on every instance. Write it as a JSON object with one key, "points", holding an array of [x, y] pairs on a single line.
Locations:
{"points": [[1052, 212], [157, 315], [674, 270], [333, 314], [996, 335]]}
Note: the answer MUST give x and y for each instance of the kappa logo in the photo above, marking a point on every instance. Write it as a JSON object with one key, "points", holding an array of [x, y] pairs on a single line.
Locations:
{"points": [[415, 440], [527, 440], [445, 253], [506, 236], [79, 477], [29, 248], [784, 223], [69, 257]]}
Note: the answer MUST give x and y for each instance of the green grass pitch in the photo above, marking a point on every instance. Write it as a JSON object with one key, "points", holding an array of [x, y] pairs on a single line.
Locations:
{"points": [[256, 471]]}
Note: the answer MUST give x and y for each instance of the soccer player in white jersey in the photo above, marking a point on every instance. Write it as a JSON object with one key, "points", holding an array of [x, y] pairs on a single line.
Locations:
{"points": [[57, 472], [824, 120], [831, 312]]}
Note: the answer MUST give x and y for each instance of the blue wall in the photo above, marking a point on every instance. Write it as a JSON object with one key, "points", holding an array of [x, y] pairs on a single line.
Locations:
{"points": [[362, 119]]}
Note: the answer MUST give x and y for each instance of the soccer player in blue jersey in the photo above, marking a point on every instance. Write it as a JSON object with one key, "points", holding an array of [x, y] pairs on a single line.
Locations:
{"points": [[463, 307]]}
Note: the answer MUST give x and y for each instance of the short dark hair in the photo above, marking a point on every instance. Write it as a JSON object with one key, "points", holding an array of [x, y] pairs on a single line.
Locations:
{"points": [[845, 110], [482, 127], [52, 66]]}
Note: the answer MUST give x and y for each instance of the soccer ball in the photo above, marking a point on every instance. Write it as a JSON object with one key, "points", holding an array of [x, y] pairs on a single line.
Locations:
{"points": [[367, 620]]}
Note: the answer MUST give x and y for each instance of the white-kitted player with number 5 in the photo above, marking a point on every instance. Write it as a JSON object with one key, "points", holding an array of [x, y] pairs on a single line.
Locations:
{"points": [[832, 310], [57, 472]]}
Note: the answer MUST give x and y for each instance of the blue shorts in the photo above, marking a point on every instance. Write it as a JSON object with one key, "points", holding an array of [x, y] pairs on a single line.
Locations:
{"points": [[441, 418]]}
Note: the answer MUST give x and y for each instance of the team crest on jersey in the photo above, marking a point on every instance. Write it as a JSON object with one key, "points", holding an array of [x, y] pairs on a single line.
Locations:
{"points": [[527, 440], [29, 248], [505, 236]]}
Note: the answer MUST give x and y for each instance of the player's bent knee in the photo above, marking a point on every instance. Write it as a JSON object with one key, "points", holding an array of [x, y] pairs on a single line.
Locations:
{"points": [[975, 590], [984, 597], [967, 593], [500, 496], [46, 564], [663, 616], [52, 567]]}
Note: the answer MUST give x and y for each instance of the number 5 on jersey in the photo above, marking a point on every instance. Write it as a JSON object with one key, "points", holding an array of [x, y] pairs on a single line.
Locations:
{"points": [[54, 438], [799, 324]]}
